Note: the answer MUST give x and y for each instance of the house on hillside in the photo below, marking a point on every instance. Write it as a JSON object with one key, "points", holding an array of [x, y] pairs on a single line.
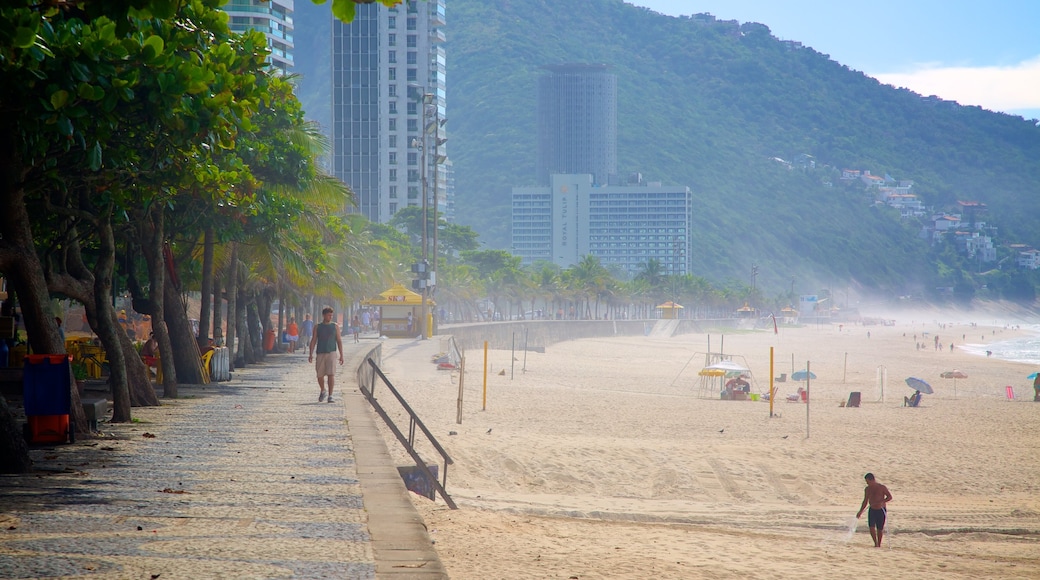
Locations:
{"points": [[946, 222], [940, 225], [907, 204], [850, 174], [1029, 259], [975, 245], [871, 180]]}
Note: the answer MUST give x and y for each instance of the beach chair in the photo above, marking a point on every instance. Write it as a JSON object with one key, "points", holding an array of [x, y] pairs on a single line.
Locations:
{"points": [[1010, 391], [854, 399]]}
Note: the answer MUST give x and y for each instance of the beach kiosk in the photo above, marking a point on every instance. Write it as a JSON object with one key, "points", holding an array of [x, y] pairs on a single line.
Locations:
{"points": [[396, 306], [669, 310]]}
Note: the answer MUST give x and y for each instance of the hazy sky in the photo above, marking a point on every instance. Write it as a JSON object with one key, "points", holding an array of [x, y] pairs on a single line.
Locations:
{"points": [[975, 53]]}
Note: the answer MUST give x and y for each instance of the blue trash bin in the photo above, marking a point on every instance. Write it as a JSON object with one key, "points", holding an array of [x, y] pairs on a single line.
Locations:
{"points": [[47, 395]]}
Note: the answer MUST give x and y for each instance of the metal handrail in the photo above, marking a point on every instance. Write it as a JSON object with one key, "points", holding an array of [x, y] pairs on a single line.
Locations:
{"points": [[409, 441]]}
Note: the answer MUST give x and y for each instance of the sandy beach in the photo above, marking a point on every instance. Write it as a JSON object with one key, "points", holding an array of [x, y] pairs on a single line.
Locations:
{"points": [[607, 458]]}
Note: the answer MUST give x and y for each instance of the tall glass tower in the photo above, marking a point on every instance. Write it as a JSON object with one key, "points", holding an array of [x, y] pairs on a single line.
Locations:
{"points": [[388, 94], [577, 122], [274, 18]]}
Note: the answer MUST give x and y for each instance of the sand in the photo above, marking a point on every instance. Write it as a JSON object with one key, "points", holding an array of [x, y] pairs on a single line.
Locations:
{"points": [[605, 459]]}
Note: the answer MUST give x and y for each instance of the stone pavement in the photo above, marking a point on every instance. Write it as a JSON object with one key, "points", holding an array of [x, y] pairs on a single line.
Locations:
{"points": [[249, 479]]}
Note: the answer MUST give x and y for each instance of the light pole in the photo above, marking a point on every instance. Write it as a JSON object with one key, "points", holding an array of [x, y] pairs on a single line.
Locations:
{"points": [[420, 144], [430, 108]]}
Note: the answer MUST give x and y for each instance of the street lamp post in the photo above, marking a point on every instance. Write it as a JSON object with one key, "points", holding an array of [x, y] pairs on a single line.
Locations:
{"points": [[420, 144], [429, 108]]}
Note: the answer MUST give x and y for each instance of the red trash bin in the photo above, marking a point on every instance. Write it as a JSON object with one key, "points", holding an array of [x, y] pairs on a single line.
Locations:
{"points": [[269, 341]]}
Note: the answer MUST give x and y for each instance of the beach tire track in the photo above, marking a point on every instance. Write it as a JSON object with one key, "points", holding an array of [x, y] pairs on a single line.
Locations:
{"points": [[727, 481], [774, 480]]}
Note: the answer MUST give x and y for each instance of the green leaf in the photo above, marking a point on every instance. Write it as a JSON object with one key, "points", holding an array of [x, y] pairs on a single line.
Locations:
{"points": [[94, 156], [24, 37], [343, 10], [152, 47], [80, 71], [89, 92], [65, 126], [59, 99]]}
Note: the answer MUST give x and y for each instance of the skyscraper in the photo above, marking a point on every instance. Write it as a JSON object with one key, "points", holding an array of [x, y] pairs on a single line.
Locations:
{"points": [[274, 18], [577, 122], [388, 94]]}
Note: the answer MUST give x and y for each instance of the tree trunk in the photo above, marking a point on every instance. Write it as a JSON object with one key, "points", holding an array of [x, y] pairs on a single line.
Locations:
{"points": [[256, 332], [150, 228], [245, 342], [103, 271], [185, 348], [77, 282], [218, 306], [14, 453], [207, 288], [232, 306], [21, 264]]}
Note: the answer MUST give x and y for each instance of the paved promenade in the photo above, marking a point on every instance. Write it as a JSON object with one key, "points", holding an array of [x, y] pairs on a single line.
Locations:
{"points": [[249, 479]]}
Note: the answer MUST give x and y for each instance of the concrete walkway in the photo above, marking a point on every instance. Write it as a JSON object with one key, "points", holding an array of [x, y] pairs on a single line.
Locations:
{"points": [[249, 479]]}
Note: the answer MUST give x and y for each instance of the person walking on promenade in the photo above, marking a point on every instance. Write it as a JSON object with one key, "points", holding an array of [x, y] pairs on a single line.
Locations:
{"points": [[355, 327], [877, 496], [327, 341], [292, 332], [306, 329]]}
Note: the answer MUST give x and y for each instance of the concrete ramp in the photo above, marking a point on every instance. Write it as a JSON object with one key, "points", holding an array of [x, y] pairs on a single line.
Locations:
{"points": [[664, 328]]}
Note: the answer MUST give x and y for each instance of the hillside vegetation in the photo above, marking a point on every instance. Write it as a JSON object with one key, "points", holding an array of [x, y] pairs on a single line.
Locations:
{"points": [[709, 105]]}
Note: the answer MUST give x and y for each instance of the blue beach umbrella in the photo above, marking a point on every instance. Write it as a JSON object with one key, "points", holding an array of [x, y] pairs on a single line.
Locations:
{"points": [[1032, 376], [803, 375], [919, 385]]}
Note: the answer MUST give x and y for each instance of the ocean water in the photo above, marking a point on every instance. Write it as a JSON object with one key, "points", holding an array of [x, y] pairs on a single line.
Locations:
{"points": [[1024, 349]]}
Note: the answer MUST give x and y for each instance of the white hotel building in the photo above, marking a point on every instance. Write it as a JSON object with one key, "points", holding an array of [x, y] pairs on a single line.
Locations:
{"points": [[623, 225]]}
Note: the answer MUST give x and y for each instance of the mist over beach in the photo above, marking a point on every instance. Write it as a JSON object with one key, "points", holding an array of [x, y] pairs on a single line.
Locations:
{"points": [[610, 458]]}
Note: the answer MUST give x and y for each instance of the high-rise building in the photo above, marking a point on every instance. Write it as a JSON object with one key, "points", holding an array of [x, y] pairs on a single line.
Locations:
{"points": [[625, 226], [388, 107], [274, 18], [577, 122]]}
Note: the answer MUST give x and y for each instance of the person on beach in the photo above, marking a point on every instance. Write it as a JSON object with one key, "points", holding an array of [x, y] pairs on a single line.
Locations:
{"points": [[877, 497], [326, 339], [1036, 387]]}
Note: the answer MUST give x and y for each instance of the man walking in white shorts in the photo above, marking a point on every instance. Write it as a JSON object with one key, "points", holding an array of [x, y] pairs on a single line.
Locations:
{"points": [[327, 341]]}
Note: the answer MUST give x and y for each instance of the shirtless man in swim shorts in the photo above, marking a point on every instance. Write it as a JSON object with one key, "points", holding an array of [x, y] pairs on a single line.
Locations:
{"points": [[877, 496]]}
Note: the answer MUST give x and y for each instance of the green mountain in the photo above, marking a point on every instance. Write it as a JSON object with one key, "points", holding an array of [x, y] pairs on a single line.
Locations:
{"points": [[710, 105]]}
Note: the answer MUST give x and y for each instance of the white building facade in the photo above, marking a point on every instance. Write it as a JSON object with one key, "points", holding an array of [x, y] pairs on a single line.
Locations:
{"points": [[624, 226], [274, 18], [389, 105]]}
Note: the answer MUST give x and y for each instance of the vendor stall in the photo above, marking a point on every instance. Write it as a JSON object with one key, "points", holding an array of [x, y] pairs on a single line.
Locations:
{"points": [[399, 312]]}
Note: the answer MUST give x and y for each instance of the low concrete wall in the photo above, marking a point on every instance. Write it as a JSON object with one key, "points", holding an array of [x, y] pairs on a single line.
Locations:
{"points": [[543, 333]]}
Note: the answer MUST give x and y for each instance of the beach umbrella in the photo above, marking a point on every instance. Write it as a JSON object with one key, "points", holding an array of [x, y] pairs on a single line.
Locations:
{"points": [[919, 385], [726, 365], [802, 375], [1032, 376], [954, 374]]}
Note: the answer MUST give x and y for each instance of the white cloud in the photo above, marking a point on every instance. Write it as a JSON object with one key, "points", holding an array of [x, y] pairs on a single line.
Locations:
{"points": [[998, 88]]}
